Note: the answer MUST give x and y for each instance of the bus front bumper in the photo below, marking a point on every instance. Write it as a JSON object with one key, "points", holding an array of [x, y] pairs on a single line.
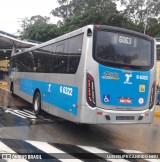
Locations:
{"points": [[102, 116]]}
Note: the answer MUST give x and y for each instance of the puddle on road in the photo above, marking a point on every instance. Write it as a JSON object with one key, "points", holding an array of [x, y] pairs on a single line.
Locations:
{"points": [[12, 116]]}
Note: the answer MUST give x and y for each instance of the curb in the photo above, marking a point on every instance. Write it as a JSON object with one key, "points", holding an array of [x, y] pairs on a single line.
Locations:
{"points": [[3, 84], [157, 113]]}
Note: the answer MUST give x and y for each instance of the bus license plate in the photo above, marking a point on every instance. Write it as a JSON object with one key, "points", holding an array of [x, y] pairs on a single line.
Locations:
{"points": [[124, 117]]}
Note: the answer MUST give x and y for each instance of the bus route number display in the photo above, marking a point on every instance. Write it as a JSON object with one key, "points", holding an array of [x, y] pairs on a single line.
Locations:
{"points": [[66, 90], [125, 40]]}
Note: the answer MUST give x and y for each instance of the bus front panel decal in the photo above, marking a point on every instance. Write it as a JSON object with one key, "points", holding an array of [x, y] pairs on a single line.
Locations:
{"points": [[120, 87]]}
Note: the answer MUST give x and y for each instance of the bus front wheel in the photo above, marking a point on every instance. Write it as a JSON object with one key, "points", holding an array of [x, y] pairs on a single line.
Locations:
{"points": [[37, 103]]}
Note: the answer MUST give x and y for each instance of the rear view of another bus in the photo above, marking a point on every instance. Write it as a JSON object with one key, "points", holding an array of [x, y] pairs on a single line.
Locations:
{"points": [[120, 86]]}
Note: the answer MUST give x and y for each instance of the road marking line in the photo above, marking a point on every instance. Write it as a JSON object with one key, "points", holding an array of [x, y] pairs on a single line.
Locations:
{"points": [[12, 112], [44, 146], [17, 160], [29, 112], [25, 114], [7, 150], [20, 113], [99, 152]]}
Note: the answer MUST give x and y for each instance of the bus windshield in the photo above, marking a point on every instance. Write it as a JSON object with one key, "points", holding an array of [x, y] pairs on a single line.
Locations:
{"points": [[122, 49]]}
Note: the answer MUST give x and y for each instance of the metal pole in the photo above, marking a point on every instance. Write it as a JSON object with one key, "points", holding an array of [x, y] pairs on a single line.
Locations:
{"points": [[13, 49], [145, 26], [147, 6]]}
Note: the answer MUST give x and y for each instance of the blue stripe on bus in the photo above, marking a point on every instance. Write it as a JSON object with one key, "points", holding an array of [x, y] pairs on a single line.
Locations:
{"points": [[62, 96], [115, 86]]}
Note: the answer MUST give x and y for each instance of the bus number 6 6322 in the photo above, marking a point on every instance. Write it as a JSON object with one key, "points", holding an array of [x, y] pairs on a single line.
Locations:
{"points": [[66, 90]]}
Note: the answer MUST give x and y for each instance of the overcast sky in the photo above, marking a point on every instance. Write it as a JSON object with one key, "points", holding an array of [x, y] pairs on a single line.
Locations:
{"points": [[13, 10]]}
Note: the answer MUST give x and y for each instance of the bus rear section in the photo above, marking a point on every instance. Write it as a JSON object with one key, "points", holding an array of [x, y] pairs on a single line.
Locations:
{"points": [[120, 86]]}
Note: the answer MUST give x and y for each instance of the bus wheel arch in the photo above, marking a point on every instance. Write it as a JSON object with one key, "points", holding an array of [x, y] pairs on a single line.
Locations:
{"points": [[37, 102]]}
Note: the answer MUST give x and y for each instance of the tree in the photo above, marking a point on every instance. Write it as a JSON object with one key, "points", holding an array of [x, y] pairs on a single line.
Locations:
{"points": [[120, 20], [78, 13], [154, 27], [141, 11], [68, 9], [64, 11], [37, 28]]}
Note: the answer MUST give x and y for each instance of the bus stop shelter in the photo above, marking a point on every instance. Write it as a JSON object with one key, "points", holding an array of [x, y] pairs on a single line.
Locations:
{"points": [[10, 44]]}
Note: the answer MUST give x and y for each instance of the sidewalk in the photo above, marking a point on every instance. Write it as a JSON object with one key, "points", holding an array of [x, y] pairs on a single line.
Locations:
{"points": [[157, 111]]}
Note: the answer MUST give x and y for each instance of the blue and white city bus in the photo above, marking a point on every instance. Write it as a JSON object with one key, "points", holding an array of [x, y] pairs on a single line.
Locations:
{"points": [[95, 75]]}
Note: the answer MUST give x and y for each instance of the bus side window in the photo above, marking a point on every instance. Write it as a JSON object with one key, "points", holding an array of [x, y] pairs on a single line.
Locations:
{"points": [[13, 66], [74, 53], [21, 63], [47, 58], [60, 58], [30, 62], [37, 60]]}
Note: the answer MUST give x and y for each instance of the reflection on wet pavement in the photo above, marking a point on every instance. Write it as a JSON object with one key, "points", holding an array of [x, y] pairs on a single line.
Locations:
{"points": [[18, 122], [13, 116]]}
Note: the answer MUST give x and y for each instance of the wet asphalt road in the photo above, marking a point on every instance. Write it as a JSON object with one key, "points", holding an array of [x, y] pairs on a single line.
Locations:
{"points": [[18, 123]]}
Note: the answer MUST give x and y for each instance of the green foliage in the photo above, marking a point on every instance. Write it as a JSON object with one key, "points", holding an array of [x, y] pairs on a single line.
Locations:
{"points": [[72, 8], [37, 28], [78, 13], [154, 27], [141, 12], [41, 32]]}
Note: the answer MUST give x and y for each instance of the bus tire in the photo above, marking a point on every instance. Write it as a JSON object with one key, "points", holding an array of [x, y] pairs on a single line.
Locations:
{"points": [[37, 103]]}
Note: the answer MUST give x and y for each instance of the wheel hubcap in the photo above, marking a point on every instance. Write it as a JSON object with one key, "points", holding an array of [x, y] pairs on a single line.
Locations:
{"points": [[36, 104]]}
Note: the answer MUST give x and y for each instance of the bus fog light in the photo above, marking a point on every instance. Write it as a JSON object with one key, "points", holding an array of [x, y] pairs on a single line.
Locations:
{"points": [[99, 113], [145, 115]]}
